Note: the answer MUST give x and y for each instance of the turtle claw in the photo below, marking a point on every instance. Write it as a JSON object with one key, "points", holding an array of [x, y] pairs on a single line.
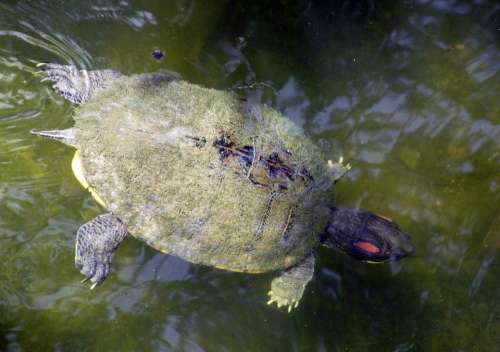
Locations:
{"points": [[95, 273], [85, 280], [95, 270], [287, 303], [94, 284], [338, 169], [41, 64]]}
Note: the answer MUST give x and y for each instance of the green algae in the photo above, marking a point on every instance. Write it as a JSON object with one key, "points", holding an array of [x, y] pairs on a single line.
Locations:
{"points": [[137, 141]]}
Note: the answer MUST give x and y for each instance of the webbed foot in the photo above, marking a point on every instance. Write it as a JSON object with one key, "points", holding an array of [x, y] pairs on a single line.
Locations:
{"points": [[284, 300], [288, 288], [338, 169], [96, 243], [73, 84]]}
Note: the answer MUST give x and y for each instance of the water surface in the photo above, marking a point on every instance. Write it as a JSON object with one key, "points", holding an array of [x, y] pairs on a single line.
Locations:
{"points": [[408, 92]]}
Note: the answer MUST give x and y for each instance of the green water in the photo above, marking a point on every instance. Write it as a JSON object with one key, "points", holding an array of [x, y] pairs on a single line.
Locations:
{"points": [[407, 91]]}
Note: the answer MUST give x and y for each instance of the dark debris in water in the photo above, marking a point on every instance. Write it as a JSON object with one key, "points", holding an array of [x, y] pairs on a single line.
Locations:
{"points": [[158, 55]]}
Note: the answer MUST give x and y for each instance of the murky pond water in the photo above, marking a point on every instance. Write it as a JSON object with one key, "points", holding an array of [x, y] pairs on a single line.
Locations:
{"points": [[408, 92]]}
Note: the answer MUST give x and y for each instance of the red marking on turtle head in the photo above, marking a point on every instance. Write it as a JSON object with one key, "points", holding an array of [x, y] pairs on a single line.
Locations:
{"points": [[367, 247]]}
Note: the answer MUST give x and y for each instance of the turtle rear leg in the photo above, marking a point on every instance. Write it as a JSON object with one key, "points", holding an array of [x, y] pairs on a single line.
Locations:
{"points": [[76, 85], [96, 242], [288, 288]]}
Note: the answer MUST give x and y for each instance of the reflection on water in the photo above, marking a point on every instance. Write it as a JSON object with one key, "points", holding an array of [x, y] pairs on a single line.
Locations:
{"points": [[407, 92]]}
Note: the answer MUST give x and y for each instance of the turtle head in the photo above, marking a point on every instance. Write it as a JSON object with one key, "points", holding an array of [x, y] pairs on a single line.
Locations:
{"points": [[366, 236]]}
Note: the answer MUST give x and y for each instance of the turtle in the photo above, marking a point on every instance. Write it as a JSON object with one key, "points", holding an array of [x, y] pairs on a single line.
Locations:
{"points": [[206, 176]]}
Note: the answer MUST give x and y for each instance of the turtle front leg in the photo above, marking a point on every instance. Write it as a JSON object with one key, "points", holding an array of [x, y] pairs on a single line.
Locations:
{"points": [[96, 242], [288, 288], [76, 85]]}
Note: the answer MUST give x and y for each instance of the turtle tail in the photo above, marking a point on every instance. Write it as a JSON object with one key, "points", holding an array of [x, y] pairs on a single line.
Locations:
{"points": [[66, 136]]}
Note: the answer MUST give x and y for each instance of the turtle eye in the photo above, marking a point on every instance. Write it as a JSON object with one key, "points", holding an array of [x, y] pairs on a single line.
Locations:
{"points": [[367, 247]]}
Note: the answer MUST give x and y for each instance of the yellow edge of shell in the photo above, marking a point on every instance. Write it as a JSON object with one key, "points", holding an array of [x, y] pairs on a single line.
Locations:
{"points": [[77, 167]]}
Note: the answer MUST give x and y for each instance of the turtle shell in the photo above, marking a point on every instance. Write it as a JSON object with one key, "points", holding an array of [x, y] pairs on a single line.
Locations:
{"points": [[196, 173]]}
